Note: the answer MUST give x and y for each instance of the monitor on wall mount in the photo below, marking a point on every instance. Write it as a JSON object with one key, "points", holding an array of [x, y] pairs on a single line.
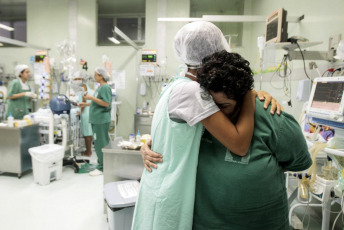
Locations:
{"points": [[277, 27]]}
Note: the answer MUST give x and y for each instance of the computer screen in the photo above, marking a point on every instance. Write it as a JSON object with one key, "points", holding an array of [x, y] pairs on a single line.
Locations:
{"points": [[327, 100], [328, 96], [277, 27]]}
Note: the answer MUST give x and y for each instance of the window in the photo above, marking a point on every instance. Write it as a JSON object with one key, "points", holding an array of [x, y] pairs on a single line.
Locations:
{"points": [[232, 30], [121, 13], [14, 15]]}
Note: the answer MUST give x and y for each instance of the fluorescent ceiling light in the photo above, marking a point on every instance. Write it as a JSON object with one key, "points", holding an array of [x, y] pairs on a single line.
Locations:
{"points": [[114, 40], [2, 26], [126, 38]]}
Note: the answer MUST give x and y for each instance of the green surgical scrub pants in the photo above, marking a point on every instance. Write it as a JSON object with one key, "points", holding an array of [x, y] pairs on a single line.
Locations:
{"points": [[101, 139]]}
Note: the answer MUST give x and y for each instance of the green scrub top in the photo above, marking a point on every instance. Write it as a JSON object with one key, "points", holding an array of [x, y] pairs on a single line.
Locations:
{"points": [[18, 107], [249, 192], [100, 114], [166, 195]]}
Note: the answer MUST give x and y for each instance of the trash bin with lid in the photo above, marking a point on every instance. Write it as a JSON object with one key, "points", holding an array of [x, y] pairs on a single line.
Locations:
{"points": [[47, 163], [120, 198]]}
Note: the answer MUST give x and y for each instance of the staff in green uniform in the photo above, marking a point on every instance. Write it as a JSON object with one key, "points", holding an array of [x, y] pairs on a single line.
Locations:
{"points": [[166, 195], [247, 192], [100, 109], [19, 94]]}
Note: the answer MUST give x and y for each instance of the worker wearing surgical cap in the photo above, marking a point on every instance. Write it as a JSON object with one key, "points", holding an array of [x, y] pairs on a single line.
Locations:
{"points": [[86, 128], [166, 195], [19, 94], [196, 40], [100, 118]]}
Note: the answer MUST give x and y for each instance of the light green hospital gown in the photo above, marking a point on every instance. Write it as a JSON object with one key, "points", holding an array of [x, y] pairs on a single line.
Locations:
{"points": [[86, 127], [166, 195]]}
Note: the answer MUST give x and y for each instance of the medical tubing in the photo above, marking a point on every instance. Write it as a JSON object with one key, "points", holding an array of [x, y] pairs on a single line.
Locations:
{"points": [[317, 147]]}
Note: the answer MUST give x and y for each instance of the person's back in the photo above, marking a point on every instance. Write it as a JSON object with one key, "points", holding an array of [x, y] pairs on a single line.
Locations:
{"points": [[234, 192], [166, 195], [249, 192]]}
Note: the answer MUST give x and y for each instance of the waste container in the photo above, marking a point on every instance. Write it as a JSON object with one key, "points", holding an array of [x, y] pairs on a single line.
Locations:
{"points": [[120, 198], [47, 163]]}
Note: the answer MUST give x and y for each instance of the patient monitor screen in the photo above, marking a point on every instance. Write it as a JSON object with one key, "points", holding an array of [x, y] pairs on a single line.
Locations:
{"points": [[328, 96]]}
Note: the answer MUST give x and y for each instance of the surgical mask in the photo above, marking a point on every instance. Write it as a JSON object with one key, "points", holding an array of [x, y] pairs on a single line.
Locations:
{"points": [[77, 82]]}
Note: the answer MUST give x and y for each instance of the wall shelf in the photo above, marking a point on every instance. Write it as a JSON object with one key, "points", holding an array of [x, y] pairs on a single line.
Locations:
{"points": [[289, 46], [16, 43], [230, 18]]}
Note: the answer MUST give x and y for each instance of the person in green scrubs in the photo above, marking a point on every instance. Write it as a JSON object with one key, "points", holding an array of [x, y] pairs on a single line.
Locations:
{"points": [[99, 117], [166, 196], [86, 127], [249, 192], [243, 192], [19, 94]]}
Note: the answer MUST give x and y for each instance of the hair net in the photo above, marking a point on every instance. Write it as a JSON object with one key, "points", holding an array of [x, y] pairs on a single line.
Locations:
{"points": [[77, 74], [196, 40], [102, 72], [19, 68]]}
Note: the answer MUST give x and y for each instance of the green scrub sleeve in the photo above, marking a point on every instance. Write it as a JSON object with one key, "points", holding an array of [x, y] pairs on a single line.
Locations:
{"points": [[14, 88], [291, 147], [105, 94]]}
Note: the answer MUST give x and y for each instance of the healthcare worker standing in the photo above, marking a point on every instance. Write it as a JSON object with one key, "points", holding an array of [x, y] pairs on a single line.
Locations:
{"points": [[19, 94], [100, 109], [86, 128], [166, 196]]}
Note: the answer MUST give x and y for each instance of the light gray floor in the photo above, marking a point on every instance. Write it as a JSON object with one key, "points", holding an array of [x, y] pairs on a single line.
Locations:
{"points": [[75, 202]]}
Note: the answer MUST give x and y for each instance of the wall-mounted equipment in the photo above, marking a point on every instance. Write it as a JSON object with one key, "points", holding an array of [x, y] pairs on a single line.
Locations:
{"points": [[326, 104], [42, 74], [149, 56], [277, 26]]}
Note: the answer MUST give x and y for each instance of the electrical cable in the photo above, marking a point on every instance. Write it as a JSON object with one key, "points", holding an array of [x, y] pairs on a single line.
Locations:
{"points": [[334, 222], [309, 214], [281, 76], [339, 69], [304, 63]]}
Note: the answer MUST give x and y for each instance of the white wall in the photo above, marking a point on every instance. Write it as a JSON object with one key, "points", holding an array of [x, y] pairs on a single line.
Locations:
{"points": [[322, 20], [122, 58], [48, 23]]}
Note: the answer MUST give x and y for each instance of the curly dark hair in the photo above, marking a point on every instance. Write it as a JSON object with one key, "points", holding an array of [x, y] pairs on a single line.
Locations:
{"points": [[228, 73]]}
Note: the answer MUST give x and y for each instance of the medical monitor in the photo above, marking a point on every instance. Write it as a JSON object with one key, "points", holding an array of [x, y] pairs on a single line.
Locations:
{"points": [[148, 56], [326, 99], [277, 27]]}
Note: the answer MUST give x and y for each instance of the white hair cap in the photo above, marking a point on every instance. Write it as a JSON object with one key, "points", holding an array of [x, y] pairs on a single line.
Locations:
{"points": [[19, 68], [196, 40], [102, 72], [77, 74]]}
